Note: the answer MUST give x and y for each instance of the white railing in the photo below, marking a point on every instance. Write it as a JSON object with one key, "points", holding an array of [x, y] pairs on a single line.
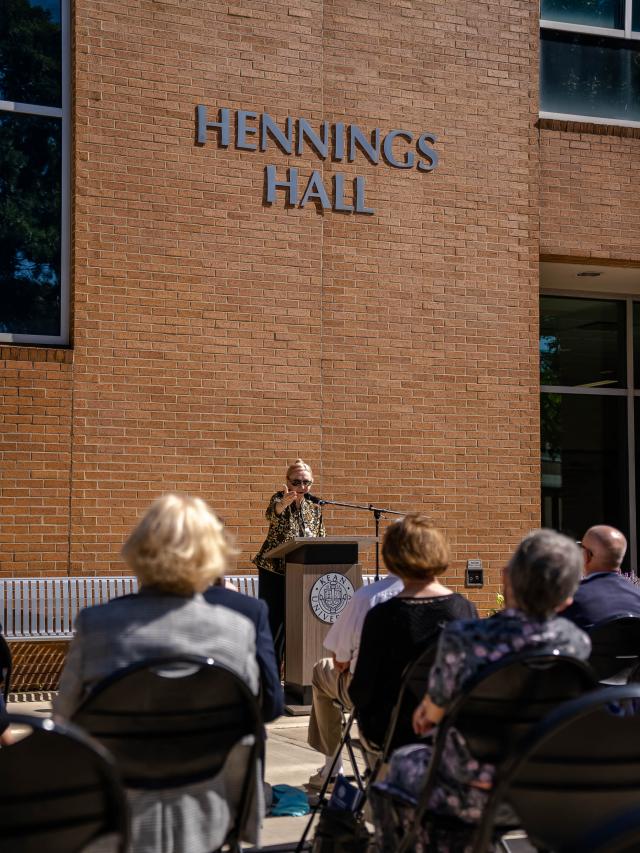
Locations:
{"points": [[46, 608]]}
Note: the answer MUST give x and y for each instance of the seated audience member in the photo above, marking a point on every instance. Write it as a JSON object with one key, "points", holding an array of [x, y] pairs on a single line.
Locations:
{"points": [[540, 579], [256, 610], [177, 549], [332, 676], [603, 592], [397, 631]]}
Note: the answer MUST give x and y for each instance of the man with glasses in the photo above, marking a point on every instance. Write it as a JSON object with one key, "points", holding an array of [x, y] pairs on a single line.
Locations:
{"points": [[603, 592]]}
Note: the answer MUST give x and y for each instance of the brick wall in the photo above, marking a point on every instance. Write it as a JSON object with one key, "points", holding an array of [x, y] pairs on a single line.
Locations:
{"points": [[216, 338], [35, 454], [589, 178]]}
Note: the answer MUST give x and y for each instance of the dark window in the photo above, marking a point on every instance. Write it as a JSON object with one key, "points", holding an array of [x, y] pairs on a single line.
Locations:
{"points": [[593, 13], [588, 75], [31, 170], [582, 342], [584, 462]]}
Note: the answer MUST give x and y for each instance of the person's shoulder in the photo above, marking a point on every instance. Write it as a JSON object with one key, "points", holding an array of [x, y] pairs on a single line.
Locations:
{"points": [[234, 600], [473, 626], [460, 603], [379, 591], [574, 640], [117, 614], [108, 610], [220, 616], [380, 611]]}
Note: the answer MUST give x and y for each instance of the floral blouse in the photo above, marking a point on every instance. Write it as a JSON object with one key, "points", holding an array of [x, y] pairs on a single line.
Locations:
{"points": [[303, 521], [465, 647]]}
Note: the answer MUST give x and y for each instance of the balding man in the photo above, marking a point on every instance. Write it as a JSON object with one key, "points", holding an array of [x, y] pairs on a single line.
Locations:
{"points": [[603, 592]]}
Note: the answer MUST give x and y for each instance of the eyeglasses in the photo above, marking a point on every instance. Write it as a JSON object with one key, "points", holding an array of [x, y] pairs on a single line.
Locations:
{"points": [[588, 551], [301, 482]]}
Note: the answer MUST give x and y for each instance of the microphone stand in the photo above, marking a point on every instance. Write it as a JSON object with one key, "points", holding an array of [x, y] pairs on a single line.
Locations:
{"points": [[377, 511]]}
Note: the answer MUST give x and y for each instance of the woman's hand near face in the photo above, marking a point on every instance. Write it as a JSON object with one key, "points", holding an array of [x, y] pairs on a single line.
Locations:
{"points": [[288, 498]]}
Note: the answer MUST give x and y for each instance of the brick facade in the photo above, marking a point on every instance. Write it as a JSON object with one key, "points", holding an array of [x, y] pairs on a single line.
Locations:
{"points": [[589, 179], [216, 338]]}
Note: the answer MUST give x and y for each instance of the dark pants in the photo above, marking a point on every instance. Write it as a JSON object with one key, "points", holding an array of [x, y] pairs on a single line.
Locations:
{"points": [[272, 591]]}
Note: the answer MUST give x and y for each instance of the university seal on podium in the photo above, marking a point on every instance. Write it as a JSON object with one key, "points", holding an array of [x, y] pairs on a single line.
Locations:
{"points": [[329, 596]]}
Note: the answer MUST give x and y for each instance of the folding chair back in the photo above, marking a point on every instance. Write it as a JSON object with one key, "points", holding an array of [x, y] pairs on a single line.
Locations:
{"points": [[578, 769], [171, 721], [620, 835], [615, 648], [59, 790], [499, 706], [412, 691]]}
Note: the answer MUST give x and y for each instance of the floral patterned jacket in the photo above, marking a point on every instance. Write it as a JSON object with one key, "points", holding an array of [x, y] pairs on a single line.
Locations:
{"points": [[466, 646], [294, 521]]}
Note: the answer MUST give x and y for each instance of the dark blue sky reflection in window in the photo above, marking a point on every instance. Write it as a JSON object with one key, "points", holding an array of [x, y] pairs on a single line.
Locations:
{"points": [[31, 52]]}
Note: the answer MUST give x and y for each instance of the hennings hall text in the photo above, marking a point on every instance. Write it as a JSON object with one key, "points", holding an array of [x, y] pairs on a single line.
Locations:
{"points": [[250, 131]]}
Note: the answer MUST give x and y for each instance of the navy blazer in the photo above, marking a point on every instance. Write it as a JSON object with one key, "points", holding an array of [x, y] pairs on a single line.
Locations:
{"points": [[601, 596], [257, 611]]}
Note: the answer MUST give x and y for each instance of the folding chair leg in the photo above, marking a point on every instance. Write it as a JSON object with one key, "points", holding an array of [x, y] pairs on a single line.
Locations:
{"points": [[323, 791], [352, 759]]}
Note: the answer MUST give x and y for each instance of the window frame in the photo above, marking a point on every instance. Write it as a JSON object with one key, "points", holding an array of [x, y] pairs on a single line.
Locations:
{"points": [[629, 392], [64, 114], [626, 34]]}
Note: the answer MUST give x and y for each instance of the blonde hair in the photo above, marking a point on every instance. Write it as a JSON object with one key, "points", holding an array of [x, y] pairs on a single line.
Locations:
{"points": [[414, 549], [179, 546], [299, 463]]}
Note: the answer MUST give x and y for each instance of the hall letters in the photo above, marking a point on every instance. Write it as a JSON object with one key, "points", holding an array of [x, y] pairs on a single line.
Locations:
{"points": [[339, 142]]}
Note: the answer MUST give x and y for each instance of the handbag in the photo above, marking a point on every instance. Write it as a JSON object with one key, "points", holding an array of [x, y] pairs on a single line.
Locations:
{"points": [[340, 831]]}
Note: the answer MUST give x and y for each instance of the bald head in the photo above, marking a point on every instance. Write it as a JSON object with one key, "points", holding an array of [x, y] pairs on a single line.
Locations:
{"points": [[604, 549]]}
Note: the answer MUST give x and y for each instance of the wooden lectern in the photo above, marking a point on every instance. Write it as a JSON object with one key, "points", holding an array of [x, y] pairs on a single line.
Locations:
{"points": [[321, 573]]}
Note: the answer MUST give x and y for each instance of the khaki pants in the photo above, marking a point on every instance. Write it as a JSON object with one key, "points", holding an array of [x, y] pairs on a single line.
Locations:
{"points": [[325, 723]]}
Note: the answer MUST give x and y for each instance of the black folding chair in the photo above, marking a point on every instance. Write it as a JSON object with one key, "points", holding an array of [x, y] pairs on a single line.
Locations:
{"points": [[575, 771], [173, 721], [6, 666], [59, 791], [615, 647], [619, 835], [499, 706]]}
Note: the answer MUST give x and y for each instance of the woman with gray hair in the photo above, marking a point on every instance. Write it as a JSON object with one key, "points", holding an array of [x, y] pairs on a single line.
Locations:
{"points": [[540, 580], [177, 550]]}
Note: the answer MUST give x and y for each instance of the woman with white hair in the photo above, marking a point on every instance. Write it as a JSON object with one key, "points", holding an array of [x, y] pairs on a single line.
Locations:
{"points": [[177, 550], [293, 511]]}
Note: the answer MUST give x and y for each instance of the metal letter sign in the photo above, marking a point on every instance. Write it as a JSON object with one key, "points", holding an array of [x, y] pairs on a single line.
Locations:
{"points": [[257, 131]]}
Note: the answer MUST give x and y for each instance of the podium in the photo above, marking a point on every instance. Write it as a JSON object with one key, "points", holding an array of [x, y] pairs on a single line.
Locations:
{"points": [[321, 575]]}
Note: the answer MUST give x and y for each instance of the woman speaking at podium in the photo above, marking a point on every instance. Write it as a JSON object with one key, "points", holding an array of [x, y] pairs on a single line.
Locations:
{"points": [[292, 512]]}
